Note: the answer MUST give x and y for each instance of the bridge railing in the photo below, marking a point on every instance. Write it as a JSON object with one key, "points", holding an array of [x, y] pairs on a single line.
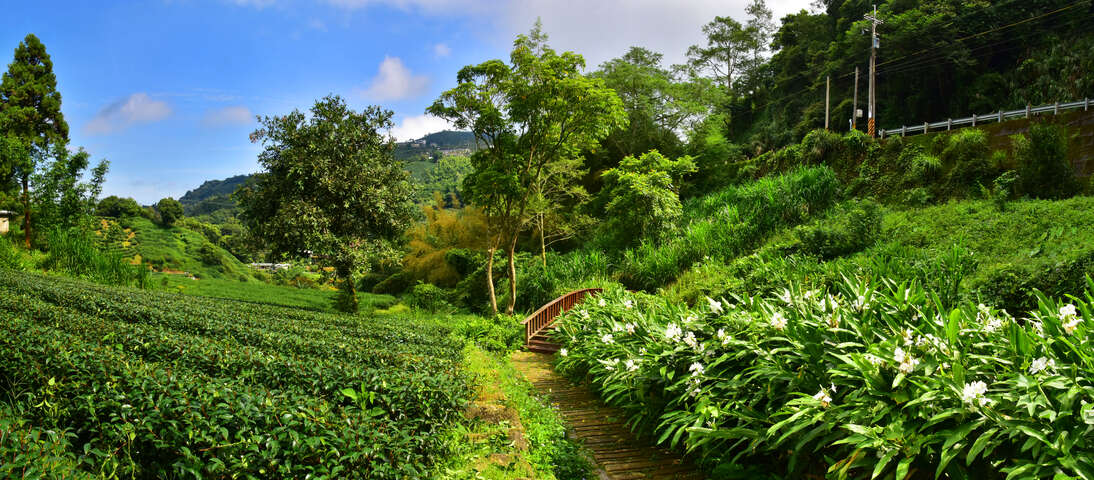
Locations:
{"points": [[546, 315], [999, 116]]}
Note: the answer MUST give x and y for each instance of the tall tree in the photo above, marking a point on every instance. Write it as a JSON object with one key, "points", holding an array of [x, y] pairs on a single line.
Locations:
{"points": [[331, 187], [527, 114], [30, 116], [59, 196], [726, 52]]}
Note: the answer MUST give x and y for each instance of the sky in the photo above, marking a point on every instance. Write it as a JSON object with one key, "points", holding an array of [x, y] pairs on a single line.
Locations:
{"points": [[169, 90]]}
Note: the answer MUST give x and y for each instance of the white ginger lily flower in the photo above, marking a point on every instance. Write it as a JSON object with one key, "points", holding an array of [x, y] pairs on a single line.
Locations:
{"points": [[629, 327], [723, 337], [608, 339], [564, 352], [696, 369], [609, 365], [715, 306], [1041, 364], [628, 304], [601, 302], [973, 394], [786, 297], [1069, 318], [690, 340], [673, 332], [631, 364], [823, 397], [873, 359], [778, 321]]}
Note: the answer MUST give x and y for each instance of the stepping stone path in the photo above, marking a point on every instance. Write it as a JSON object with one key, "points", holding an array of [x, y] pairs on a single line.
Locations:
{"points": [[618, 453]]}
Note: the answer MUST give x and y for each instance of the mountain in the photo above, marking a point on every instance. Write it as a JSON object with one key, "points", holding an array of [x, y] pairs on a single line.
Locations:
{"points": [[212, 196], [436, 145]]}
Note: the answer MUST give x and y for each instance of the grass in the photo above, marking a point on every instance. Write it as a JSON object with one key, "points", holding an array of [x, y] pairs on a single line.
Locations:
{"points": [[171, 248], [511, 432], [317, 299]]}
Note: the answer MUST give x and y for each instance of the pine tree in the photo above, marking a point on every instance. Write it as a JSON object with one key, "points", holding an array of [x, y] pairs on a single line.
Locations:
{"points": [[31, 122]]}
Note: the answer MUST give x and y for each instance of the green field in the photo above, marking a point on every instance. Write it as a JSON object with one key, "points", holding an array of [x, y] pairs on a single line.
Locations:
{"points": [[318, 299], [149, 384]]}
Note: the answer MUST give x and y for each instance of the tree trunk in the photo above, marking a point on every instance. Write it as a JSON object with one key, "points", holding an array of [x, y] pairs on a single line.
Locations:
{"points": [[510, 251], [490, 278], [26, 210], [542, 244]]}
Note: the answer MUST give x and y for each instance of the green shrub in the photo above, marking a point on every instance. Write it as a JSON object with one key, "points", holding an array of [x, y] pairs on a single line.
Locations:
{"points": [[394, 284], [428, 297], [969, 159], [853, 227], [1043, 168], [76, 253]]}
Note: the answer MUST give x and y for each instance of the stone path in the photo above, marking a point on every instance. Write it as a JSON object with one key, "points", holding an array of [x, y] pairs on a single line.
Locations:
{"points": [[618, 454]]}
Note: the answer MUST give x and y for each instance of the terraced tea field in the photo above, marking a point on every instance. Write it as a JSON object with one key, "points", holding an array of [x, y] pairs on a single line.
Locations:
{"points": [[118, 382]]}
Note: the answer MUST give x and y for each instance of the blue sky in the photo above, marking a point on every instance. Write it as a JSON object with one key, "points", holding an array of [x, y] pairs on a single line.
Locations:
{"points": [[168, 90]]}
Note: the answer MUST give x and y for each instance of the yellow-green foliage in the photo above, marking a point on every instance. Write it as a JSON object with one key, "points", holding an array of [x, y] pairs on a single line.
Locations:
{"points": [[442, 230]]}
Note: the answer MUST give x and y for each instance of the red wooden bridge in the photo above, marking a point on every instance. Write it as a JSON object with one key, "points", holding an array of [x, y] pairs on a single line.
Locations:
{"points": [[540, 323]]}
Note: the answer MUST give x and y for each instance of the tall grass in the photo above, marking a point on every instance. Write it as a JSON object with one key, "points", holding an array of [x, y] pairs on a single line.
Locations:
{"points": [[723, 225], [75, 253], [9, 256]]}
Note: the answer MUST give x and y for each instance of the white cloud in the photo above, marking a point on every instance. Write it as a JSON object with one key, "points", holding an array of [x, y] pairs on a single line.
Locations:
{"points": [[606, 29], [135, 109], [237, 115], [441, 50], [395, 82], [413, 128], [316, 24]]}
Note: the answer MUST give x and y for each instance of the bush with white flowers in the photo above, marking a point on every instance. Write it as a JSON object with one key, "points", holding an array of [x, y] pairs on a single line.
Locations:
{"points": [[870, 380]]}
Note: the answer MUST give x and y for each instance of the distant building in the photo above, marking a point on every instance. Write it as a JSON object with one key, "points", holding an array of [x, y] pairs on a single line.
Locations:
{"points": [[271, 267], [4, 216]]}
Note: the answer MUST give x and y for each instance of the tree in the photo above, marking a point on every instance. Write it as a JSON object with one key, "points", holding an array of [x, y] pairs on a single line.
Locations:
{"points": [[726, 52], [331, 188], [117, 207], [525, 115], [30, 116], [170, 210], [645, 196], [59, 197]]}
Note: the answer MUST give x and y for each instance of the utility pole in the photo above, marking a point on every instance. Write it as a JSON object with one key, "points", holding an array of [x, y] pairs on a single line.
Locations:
{"points": [[854, 107], [827, 89], [874, 44]]}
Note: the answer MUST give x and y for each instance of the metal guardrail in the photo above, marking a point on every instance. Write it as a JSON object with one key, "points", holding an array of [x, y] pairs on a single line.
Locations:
{"points": [[999, 116]]}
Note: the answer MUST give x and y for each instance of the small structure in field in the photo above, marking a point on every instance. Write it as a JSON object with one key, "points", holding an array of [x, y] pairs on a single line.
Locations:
{"points": [[271, 267], [4, 216]]}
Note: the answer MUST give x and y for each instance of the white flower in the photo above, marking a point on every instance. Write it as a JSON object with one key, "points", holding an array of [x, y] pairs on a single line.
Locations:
{"points": [[642, 351], [609, 365], [601, 302], [690, 319], [617, 327], [673, 332], [631, 364], [690, 340], [873, 359], [715, 306], [723, 337], [823, 397], [809, 294], [1041, 364], [861, 303], [994, 323], [607, 339], [832, 387], [564, 352], [1070, 318], [1039, 328], [583, 314], [629, 327], [696, 369], [973, 394], [908, 365], [898, 354], [628, 303], [786, 297], [778, 321]]}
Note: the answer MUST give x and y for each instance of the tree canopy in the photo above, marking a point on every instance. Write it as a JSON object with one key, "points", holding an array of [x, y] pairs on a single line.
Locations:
{"points": [[330, 187], [537, 109]]}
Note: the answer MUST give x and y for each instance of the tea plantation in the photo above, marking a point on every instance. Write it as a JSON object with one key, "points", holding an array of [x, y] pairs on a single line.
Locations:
{"points": [[118, 382]]}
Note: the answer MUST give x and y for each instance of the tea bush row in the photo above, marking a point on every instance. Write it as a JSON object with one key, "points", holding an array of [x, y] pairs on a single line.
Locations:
{"points": [[157, 385]]}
